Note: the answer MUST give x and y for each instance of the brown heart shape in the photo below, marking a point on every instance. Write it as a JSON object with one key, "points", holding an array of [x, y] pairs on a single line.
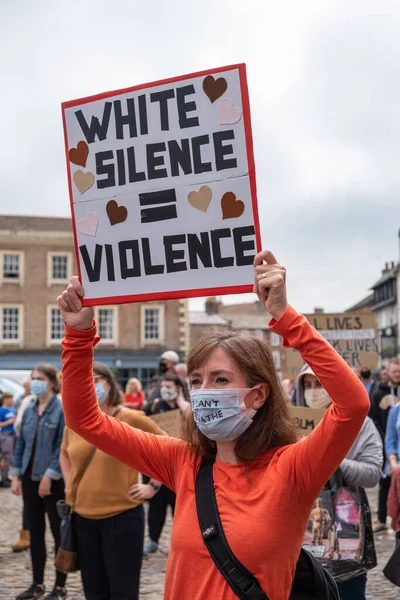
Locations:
{"points": [[116, 214], [214, 88], [79, 155], [201, 199], [83, 181], [231, 208]]}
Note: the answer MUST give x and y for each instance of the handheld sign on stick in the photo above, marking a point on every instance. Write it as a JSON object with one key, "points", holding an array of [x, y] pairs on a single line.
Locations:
{"points": [[162, 188]]}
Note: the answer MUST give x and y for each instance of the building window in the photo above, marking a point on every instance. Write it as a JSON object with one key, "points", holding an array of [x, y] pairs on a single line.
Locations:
{"points": [[107, 324], [152, 324], [277, 359], [56, 325], [10, 324], [275, 340], [59, 267], [146, 376], [11, 267]]}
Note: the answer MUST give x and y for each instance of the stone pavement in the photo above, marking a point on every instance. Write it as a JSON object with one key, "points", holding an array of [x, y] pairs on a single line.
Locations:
{"points": [[15, 569], [15, 573]]}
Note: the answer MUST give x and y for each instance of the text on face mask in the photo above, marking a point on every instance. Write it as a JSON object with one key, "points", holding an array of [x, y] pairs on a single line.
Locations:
{"points": [[204, 403], [207, 418]]}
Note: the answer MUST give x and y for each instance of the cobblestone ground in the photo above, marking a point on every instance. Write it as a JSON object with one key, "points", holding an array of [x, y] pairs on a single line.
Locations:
{"points": [[15, 573], [15, 569]]}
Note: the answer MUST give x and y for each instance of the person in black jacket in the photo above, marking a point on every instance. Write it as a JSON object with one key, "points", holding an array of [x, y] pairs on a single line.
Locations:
{"points": [[383, 397]]}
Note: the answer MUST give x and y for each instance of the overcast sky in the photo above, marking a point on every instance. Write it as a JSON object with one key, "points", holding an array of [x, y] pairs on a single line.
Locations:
{"points": [[324, 84]]}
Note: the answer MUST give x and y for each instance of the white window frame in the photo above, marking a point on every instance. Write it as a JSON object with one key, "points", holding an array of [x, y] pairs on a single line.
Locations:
{"points": [[49, 340], [161, 310], [114, 310], [275, 340], [20, 279], [20, 339], [50, 280]]}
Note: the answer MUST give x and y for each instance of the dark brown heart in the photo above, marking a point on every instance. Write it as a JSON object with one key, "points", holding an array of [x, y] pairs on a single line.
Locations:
{"points": [[116, 214], [79, 155], [214, 88], [231, 208]]}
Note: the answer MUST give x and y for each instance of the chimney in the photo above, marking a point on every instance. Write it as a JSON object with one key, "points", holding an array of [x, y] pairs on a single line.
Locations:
{"points": [[318, 310], [386, 269], [212, 306]]}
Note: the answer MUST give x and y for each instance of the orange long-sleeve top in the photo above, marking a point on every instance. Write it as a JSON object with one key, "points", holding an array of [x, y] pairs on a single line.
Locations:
{"points": [[264, 514]]}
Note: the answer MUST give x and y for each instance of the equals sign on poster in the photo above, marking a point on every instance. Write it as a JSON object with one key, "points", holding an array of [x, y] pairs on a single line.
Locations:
{"points": [[160, 206]]}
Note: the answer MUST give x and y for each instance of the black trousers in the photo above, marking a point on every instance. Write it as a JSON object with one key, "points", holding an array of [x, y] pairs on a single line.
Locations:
{"points": [[110, 553], [384, 486], [158, 505], [35, 509], [24, 518]]}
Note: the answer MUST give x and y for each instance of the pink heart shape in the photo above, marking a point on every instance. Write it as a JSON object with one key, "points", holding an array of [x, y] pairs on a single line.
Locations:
{"points": [[88, 225], [227, 113]]}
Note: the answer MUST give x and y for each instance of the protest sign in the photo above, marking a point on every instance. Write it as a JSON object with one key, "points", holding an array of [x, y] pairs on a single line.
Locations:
{"points": [[305, 419], [353, 335], [169, 421], [162, 188]]}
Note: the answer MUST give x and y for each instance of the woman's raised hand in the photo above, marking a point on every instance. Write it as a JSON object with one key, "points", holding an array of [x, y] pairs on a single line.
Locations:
{"points": [[70, 305], [270, 283]]}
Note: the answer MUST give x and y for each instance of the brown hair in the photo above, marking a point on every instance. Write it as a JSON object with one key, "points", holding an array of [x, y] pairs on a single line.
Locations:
{"points": [[272, 426], [7, 395], [174, 378], [52, 374], [115, 397]]}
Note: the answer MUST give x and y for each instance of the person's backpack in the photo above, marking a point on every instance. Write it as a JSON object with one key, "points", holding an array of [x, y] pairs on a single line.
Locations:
{"points": [[310, 582]]}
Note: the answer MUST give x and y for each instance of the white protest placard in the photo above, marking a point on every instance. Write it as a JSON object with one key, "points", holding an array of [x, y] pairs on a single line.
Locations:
{"points": [[162, 188]]}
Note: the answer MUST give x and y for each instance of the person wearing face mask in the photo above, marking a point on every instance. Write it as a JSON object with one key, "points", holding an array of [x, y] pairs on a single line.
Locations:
{"points": [[171, 398], [385, 395], [361, 467], [36, 474], [239, 421], [168, 362], [108, 500]]}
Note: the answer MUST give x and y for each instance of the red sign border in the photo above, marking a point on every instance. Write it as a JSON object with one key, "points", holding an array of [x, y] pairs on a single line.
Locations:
{"points": [[172, 295]]}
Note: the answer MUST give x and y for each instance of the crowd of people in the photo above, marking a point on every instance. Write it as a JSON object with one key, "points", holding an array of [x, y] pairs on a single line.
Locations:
{"points": [[48, 462], [101, 454]]}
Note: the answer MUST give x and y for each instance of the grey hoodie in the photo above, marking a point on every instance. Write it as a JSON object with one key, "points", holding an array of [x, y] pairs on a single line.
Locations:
{"points": [[363, 463]]}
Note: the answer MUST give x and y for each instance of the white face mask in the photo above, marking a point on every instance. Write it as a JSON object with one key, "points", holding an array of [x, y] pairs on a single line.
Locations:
{"points": [[221, 415], [168, 393], [317, 398]]}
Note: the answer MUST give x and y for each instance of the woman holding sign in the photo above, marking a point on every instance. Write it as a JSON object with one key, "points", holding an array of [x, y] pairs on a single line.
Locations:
{"points": [[263, 479]]}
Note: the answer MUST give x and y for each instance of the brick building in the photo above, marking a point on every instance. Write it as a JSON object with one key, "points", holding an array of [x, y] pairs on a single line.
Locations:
{"points": [[36, 262], [248, 318]]}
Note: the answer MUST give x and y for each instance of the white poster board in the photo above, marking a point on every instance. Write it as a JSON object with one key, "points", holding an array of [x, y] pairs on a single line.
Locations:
{"points": [[162, 188]]}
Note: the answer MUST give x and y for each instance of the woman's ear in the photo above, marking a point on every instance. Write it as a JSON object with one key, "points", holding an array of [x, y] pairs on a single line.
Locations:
{"points": [[257, 396]]}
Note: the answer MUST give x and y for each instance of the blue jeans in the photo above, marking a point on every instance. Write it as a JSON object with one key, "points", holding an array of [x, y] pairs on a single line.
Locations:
{"points": [[353, 589]]}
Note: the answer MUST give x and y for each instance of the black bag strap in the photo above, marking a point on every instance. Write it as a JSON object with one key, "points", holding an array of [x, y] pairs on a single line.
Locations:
{"points": [[241, 581]]}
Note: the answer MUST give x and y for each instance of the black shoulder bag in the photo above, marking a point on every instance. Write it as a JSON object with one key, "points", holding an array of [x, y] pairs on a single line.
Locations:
{"points": [[311, 581]]}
